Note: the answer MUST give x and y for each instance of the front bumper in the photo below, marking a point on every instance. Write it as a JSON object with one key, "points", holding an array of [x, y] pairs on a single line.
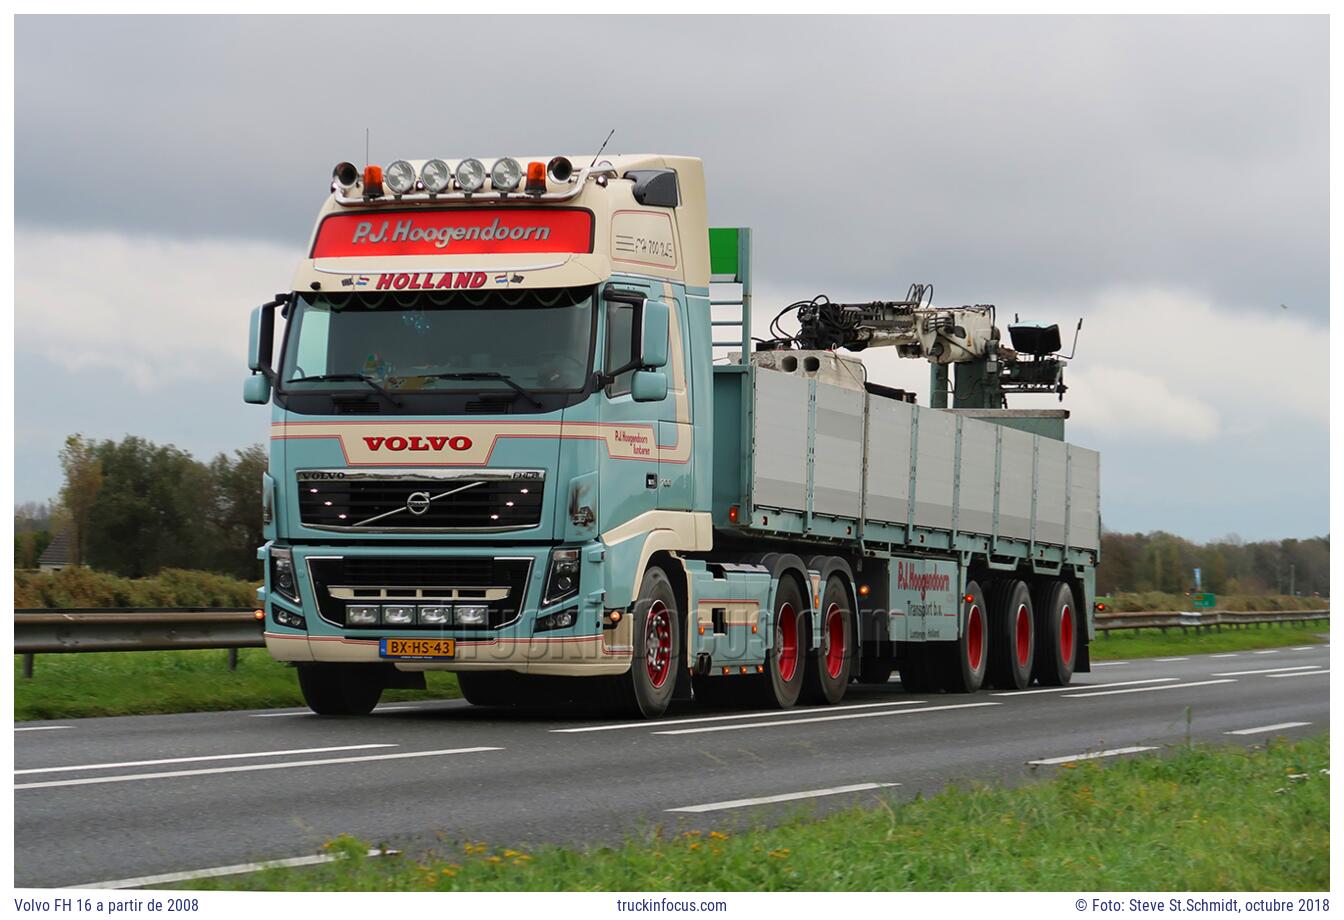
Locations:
{"points": [[513, 577]]}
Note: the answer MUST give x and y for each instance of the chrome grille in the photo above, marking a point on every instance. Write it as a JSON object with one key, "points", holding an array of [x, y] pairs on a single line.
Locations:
{"points": [[383, 501]]}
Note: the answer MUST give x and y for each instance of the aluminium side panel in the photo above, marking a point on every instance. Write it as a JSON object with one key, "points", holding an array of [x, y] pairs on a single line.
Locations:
{"points": [[1051, 490], [779, 441], [975, 513], [889, 426], [837, 456], [1015, 475], [1085, 498], [936, 457]]}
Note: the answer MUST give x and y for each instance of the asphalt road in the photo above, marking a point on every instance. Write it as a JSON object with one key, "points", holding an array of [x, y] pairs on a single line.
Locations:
{"points": [[101, 800]]}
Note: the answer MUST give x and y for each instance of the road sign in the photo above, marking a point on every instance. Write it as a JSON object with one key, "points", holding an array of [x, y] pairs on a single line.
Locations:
{"points": [[1203, 600]]}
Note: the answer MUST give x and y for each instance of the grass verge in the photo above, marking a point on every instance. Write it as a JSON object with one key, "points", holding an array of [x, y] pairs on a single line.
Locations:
{"points": [[1199, 819], [1150, 643], [140, 683]]}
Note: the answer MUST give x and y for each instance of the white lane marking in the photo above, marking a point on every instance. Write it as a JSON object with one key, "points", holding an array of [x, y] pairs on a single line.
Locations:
{"points": [[1197, 683], [1265, 651], [168, 878], [849, 715], [150, 763], [1118, 683], [278, 715], [785, 797], [127, 777], [1302, 673], [1225, 655], [1305, 667], [1171, 659], [1107, 664], [40, 728], [1266, 728], [740, 715], [1115, 752], [1304, 648]]}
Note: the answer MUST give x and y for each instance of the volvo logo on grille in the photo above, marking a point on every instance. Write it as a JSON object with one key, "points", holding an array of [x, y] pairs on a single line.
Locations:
{"points": [[417, 502]]}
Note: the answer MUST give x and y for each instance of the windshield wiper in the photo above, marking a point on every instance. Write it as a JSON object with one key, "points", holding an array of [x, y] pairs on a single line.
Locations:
{"points": [[490, 375], [364, 377]]}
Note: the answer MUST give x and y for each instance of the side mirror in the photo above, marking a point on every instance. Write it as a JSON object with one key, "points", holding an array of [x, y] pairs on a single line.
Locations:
{"points": [[260, 339], [648, 386], [257, 389], [653, 334]]}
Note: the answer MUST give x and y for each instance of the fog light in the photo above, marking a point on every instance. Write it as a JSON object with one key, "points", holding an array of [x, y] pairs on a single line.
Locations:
{"points": [[285, 618], [472, 614], [436, 616], [398, 616], [361, 615], [561, 619]]}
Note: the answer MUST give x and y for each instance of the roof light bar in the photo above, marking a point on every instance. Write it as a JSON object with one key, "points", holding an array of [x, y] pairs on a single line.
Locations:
{"points": [[470, 175], [400, 177], [436, 175], [505, 175]]}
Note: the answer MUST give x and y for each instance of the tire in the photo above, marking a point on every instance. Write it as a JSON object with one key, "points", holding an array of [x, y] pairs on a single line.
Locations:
{"points": [[340, 690], [967, 659], [875, 670], [829, 665], [1012, 636], [489, 688], [1057, 632], [645, 691], [785, 661]]}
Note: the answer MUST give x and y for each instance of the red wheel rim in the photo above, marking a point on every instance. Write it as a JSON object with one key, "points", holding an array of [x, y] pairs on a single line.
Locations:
{"points": [[788, 642], [975, 637], [835, 641], [658, 643], [1066, 635], [1023, 627]]}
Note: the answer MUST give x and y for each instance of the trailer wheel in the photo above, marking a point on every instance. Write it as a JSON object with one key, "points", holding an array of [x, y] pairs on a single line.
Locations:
{"points": [[968, 658], [1057, 627], [828, 667], [339, 689], [784, 663], [1012, 636], [646, 689]]}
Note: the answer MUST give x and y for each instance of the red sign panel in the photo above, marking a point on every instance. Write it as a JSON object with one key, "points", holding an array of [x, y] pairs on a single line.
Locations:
{"points": [[456, 232]]}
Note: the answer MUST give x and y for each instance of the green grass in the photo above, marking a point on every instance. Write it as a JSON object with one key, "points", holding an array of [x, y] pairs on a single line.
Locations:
{"points": [[1150, 643], [137, 683], [1131, 601], [1196, 820]]}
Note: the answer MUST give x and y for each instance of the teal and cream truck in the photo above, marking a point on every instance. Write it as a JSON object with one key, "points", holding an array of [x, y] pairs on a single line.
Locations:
{"points": [[506, 442]]}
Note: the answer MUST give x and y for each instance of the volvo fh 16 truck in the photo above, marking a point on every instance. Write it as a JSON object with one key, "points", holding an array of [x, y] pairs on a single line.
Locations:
{"points": [[514, 437]]}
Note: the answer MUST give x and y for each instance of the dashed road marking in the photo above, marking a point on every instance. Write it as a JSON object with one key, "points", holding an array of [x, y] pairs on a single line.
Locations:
{"points": [[1171, 659], [1305, 667], [839, 718], [740, 715], [1266, 728], [40, 728], [785, 797], [150, 763], [1302, 673], [1225, 655], [1304, 648], [1197, 683], [170, 774], [1265, 651], [1114, 752], [1108, 664], [1118, 683], [169, 878]]}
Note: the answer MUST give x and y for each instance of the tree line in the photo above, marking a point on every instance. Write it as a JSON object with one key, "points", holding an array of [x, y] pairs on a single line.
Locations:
{"points": [[133, 508]]}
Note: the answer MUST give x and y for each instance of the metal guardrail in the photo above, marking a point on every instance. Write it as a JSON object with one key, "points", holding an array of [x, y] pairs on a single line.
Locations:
{"points": [[134, 629], [1108, 621]]}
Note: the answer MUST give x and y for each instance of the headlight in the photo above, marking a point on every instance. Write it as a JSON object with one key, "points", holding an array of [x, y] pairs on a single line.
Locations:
{"points": [[505, 175], [562, 578], [471, 175], [436, 616], [398, 615], [362, 615], [436, 175], [282, 574], [399, 176], [473, 615]]}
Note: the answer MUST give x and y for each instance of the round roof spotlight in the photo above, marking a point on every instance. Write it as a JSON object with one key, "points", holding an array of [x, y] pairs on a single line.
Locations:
{"points": [[505, 174], [399, 177], [436, 175], [560, 169], [470, 175], [345, 175]]}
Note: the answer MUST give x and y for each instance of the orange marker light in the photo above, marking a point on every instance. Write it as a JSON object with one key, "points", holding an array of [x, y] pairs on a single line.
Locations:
{"points": [[536, 178], [373, 181], [864, 590], [1101, 606], [615, 616], [259, 614], [702, 630]]}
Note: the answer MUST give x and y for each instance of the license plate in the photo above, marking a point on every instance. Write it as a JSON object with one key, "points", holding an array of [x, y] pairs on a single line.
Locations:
{"points": [[417, 648]]}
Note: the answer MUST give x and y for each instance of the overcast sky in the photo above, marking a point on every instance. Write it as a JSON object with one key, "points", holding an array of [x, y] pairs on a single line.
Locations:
{"points": [[1165, 178]]}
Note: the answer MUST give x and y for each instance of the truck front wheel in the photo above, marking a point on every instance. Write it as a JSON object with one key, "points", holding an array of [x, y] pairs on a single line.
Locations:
{"points": [[646, 689], [339, 689]]}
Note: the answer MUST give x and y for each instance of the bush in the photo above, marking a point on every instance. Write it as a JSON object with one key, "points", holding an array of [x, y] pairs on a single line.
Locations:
{"points": [[82, 587]]}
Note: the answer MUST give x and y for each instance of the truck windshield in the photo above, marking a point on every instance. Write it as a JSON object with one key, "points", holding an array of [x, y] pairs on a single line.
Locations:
{"points": [[515, 342]]}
